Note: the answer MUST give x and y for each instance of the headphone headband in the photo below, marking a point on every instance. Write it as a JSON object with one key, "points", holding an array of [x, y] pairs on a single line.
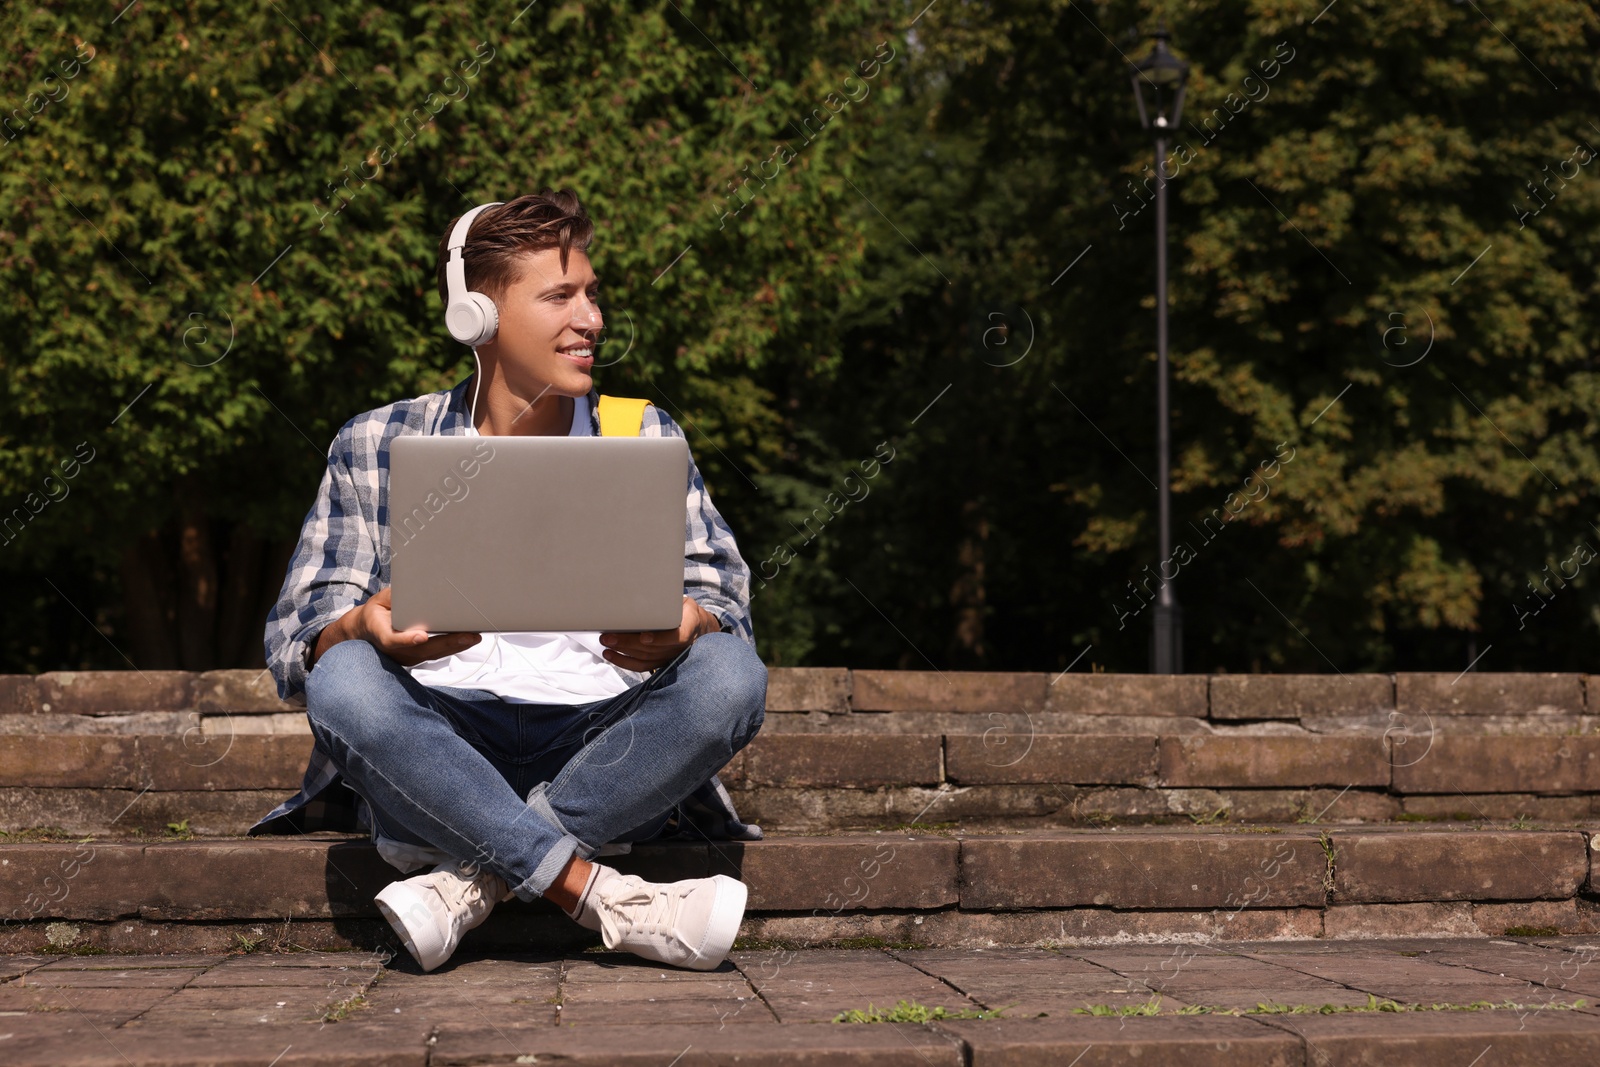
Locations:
{"points": [[458, 236]]}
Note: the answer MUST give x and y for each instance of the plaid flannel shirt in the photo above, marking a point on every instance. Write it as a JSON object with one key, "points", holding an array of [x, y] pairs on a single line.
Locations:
{"points": [[342, 559]]}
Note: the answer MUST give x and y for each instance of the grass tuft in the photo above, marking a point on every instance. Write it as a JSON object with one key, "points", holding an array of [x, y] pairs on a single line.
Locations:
{"points": [[246, 944], [928, 827], [1149, 1007], [42, 835], [909, 1011], [340, 1011]]}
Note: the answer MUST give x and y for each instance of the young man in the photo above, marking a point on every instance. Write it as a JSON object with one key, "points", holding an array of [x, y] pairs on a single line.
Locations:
{"points": [[510, 763]]}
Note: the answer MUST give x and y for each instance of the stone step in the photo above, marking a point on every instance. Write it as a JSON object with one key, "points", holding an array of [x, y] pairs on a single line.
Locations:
{"points": [[817, 699], [903, 887], [84, 784]]}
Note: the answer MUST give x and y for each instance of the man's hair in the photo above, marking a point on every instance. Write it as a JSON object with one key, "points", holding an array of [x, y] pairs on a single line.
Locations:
{"points": [[499, 236]]}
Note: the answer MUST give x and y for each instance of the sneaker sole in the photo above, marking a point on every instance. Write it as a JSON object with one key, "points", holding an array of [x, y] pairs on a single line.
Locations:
{"points": [[727, 912], [395, 900]]}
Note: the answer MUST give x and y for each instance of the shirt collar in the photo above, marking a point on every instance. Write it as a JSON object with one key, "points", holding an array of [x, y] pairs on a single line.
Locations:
{"points": [[458, 399], [453, 421]]}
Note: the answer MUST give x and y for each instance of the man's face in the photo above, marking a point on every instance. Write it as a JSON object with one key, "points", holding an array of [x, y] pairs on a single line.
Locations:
{"points": [[549, 323]]}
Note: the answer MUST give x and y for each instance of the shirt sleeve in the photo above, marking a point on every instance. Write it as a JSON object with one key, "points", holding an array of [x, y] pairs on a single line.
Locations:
{"points": [[714, 573], [334, 568]]}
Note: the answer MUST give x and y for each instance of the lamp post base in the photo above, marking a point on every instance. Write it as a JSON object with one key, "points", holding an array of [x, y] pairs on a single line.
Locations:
{"points": [[1166, 640]]}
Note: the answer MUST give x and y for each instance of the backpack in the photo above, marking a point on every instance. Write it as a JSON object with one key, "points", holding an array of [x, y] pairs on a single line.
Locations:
{"points": [[621, 416]]}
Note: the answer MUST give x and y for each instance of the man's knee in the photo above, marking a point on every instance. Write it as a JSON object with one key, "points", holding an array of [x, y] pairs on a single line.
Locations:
{"points": [[339, 688], [738, 679]]}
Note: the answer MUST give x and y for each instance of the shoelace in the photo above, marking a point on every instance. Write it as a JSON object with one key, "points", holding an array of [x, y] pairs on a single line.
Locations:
{"points": [[619, 903], [469, 893]]}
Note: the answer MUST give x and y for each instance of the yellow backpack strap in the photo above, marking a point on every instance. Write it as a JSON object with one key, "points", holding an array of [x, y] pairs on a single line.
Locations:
{"points": [[621, 416]]}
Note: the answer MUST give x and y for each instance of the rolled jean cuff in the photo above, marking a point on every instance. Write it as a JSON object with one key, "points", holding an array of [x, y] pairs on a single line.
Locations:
{"points": [[544, 875]]}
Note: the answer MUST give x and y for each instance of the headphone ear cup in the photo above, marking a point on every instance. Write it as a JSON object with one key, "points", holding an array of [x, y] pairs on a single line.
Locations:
{"points": [[490, 315], [473, 320]]}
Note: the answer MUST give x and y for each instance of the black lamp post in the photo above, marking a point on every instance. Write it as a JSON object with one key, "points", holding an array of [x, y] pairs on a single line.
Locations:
{"points": [[1158, 83]]}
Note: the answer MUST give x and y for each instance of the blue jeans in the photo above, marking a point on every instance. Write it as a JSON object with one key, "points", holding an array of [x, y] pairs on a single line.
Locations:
{"points": [[521, 788]]}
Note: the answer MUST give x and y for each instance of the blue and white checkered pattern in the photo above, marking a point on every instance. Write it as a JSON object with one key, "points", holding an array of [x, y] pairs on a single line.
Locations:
{"points": [[343, 553]]}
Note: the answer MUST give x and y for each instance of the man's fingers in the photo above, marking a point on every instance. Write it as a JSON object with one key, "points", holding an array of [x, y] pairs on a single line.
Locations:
{"points": [[444, 645], [634, 646], [639, 639], [629, 649], [632, 663]]}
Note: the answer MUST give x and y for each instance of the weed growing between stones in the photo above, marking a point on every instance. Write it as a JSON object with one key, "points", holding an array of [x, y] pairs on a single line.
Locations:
{"points": [[1327, 850], [925, 827], [869, 941], [1149, 1007], [340, 1010], [42, 835], [338, 1013], [909, 1011]]}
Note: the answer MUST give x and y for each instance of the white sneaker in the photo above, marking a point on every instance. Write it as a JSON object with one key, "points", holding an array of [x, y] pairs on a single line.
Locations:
{"points": [[432, 911], [690, 924]]}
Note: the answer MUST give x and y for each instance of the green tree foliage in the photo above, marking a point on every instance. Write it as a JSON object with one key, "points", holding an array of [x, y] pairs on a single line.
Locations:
{"points": [[227, 227], [222, 231], [1341, 170]]}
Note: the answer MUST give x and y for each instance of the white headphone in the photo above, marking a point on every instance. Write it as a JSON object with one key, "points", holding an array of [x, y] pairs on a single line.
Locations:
{"points": [[470, 317]]}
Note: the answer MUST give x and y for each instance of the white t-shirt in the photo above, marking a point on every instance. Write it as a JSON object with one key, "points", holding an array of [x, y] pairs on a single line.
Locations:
{"points": [[534, 668]]}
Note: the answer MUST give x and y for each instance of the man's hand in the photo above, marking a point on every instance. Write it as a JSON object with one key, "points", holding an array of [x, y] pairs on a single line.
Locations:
{"points": [[373, 622], [650, 649]]}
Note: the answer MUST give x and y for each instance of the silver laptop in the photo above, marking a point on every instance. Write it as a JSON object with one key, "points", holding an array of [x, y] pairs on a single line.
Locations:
{"points": [[498, 534]]}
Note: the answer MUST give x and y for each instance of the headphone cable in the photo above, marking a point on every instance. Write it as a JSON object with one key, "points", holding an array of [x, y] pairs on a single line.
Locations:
{"points": [[472, 426]]}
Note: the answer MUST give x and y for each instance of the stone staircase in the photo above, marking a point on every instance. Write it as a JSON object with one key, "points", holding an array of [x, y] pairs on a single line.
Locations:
{"points": [[903, 808]]}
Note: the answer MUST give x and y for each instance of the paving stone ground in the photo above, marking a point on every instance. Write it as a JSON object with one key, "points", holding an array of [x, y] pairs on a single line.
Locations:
{"points": [[1286, 1004]]}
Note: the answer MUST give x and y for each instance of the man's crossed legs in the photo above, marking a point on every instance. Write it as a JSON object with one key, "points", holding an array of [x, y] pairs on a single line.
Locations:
{"points": [[522, 796]]}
